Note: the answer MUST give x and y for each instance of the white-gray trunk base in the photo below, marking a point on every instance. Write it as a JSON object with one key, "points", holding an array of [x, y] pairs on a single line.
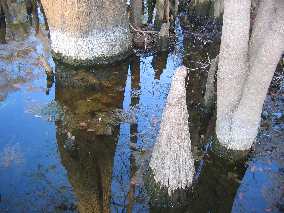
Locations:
{"points": [[172, 162], [100, 46]]}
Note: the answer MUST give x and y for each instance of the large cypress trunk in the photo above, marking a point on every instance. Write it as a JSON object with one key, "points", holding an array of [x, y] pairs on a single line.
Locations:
{"points": [[88, 31], [246, 68], [263, 62], [233, 64]]}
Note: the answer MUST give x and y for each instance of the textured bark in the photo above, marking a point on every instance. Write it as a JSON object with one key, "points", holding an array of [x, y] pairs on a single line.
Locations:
{"points": [[218, 8], [44, 16], [91, 31], [233, 63], [172, 162], [261, 26], [246, 119], [160, 9], [210, 88], [238, 117], [136, 13], [213, 8]]}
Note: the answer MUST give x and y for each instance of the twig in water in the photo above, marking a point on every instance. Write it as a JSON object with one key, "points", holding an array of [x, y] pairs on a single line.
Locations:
{"points": [[143, 31]]}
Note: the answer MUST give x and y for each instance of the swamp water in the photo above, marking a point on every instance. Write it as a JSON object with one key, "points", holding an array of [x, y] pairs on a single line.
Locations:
{"points": [[82, 142]]}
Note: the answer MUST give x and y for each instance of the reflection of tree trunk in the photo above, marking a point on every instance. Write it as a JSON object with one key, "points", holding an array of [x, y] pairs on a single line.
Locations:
{"points": [[151, 7], [166, 16], [245, 72], [44, 17], [135, 80], [162, 7], [35, 15], [29, 8], [89, 167], [86, 146], [5, 7], [218, 8], [159, 63], [217, 185], [135, 86], [2, 26], [197, 124], [197, 84]]}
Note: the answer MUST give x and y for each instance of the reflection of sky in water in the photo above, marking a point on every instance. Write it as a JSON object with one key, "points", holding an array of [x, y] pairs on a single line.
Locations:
{"points": [[121, 165], [34, 176], [31, 165], [153, 92], [256, 182], [31, 172], [152, 97]]}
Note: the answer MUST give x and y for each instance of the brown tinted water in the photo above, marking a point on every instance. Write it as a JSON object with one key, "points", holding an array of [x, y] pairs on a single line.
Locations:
{"points": [[83, 142]]}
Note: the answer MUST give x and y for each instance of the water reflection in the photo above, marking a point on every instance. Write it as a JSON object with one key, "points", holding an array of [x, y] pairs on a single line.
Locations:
{"points": [[110, 120], [207, 8], [89, 133], [110, 116], [159, 63], [217, 179]]}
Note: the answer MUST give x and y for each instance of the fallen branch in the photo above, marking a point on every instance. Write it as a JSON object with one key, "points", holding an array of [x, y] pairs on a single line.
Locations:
{"points": [[143, 31]]}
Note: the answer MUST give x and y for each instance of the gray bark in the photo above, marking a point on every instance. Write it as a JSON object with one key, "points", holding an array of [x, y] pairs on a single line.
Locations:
{"points": [[261, 26], [246, 118], [172, 162], [212, 8], [210, 88], [218, 8], [88, 31], [160, 9], [242, 90], [136, 13], [233, 63]]}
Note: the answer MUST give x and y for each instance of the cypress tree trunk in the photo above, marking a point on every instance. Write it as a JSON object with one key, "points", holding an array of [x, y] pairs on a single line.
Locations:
{"points": [[246, 118], [233, 64], [136, 13], [245, 73], [88, 32]]}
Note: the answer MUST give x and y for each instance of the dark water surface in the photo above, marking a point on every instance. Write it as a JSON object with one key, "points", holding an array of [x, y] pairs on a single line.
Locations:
{"points": [[83, 142]]}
